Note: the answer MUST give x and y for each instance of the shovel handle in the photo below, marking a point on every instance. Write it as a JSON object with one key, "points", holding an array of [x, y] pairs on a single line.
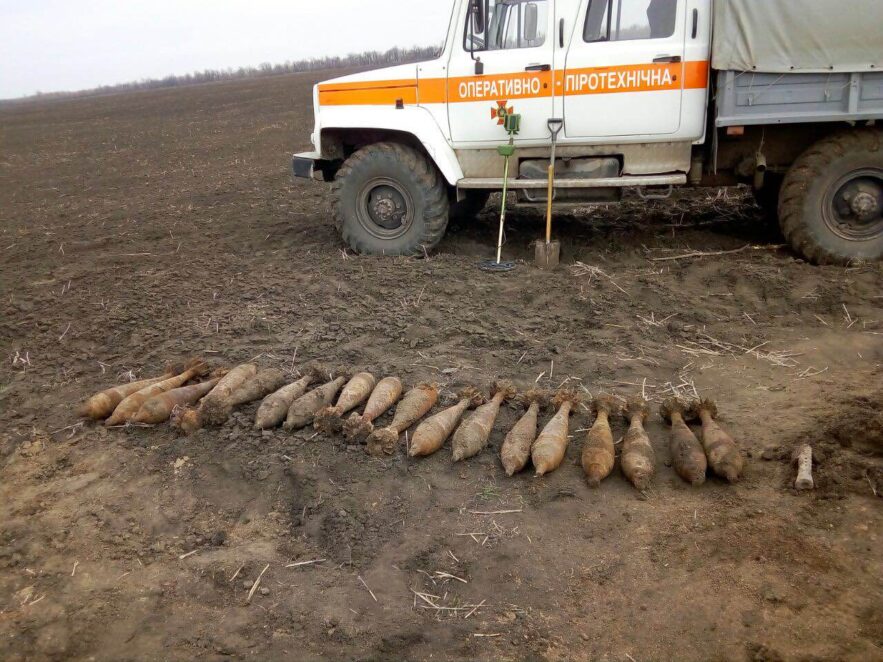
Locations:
{"points": [[555, 125], [549, 204]]}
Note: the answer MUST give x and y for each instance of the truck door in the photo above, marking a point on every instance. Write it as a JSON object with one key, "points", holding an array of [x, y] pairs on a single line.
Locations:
{"points": [[625, 71], [515, 46]]}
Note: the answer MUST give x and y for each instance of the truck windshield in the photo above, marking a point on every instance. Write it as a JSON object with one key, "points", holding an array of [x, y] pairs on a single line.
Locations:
{"points": [[508, 24]]}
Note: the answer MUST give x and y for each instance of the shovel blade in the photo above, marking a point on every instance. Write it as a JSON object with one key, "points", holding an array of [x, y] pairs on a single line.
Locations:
{"points": [[547, 256]]}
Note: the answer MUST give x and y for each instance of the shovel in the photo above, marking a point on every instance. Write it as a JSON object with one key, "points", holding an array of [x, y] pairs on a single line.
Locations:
{"points": [[548, 253]]}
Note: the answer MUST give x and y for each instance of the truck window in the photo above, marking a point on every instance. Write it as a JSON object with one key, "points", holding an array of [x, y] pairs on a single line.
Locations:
{"points": [[510, 24], [625, 20]]}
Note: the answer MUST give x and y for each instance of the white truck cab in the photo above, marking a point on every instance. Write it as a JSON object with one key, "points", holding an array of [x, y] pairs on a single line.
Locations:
{"points": [[652, 94]]}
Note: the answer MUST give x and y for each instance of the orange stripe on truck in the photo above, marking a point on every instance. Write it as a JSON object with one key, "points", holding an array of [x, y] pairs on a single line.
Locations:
{"points": [[509, 87], [368, 93], [635, 78], [526, 85]]}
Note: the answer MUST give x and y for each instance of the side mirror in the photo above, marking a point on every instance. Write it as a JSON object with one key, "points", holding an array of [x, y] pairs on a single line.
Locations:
{"points": [[531, 21], [478, 23], [476, 9]]}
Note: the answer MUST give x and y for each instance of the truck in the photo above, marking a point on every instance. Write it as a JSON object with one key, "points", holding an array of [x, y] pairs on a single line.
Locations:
{"points": [[784, 96]]}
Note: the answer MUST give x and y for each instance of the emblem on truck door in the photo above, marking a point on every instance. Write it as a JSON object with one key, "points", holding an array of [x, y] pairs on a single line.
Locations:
{"points": [[501, 111], [506, 117]]}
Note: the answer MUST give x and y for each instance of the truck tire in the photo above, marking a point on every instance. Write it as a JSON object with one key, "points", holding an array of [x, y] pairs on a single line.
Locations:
{"points": [[470, 206], [390, 200], [831, 203]]}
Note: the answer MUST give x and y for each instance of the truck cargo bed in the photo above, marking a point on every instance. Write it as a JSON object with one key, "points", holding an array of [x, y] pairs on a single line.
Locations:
{"points": [[787, 98]]}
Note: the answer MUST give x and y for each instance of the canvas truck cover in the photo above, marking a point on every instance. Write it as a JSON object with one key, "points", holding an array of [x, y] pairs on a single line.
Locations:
{"points": [[807, 36]]}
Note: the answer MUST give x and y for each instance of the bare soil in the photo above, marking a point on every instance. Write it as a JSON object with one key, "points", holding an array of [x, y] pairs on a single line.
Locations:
{"points": [[149, 227]]}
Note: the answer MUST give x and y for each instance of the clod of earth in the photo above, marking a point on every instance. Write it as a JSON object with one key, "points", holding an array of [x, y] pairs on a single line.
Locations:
{"points": [[159, 408], [127, 409], [515, 452], [599, 453], [474, 431], [432, 433], [217, 405], [687, 455], [101, 405], [275, 406], [803, 460], [303, 410], [385, 395], [547, 452], [330, 419], [414, 406], [721, 450], [638, 460]]}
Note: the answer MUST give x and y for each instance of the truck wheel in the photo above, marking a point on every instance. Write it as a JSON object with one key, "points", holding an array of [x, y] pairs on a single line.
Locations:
{"points": [[390, 201], [470, 206], [831, 204]]}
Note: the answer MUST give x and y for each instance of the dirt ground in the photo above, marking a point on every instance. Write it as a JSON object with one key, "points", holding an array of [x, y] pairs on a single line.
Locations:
{"points": [[150, 227]]}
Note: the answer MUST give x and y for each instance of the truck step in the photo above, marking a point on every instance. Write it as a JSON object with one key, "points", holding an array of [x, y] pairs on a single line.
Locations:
{"points": [[567, 205], [492, 183]]}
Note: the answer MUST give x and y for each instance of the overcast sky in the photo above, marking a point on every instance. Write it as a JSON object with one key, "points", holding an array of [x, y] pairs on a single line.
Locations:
{"points": [[53, 45]]}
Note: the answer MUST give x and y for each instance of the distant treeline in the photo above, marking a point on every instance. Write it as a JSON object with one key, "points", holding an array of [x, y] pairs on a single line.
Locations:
{"points": [[369, 59]]}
